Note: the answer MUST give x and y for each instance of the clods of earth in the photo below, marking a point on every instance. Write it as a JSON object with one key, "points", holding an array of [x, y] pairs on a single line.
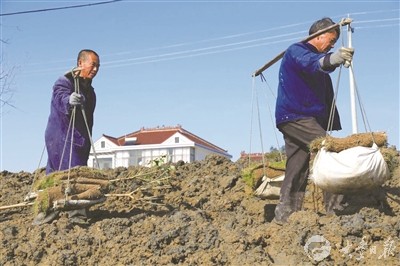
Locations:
{"points": [[200, 213]]}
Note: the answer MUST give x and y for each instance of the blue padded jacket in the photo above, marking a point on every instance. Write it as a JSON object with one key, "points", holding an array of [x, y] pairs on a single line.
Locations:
{"points": [[305, 89]]}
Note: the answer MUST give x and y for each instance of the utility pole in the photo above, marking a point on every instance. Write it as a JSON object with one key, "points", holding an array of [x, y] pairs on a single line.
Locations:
{"points": [[352, 85]]}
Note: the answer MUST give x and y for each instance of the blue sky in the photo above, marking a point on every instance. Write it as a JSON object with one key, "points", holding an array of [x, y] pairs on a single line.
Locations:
{"points": [[187, 63]]}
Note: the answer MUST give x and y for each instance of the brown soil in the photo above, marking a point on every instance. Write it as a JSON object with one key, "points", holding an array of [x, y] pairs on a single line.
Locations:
{"points": [[200, 214]]}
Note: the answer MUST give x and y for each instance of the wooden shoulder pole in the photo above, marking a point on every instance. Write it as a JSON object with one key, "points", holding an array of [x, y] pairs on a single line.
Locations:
{"points": [[343, 22], [23, 204]]}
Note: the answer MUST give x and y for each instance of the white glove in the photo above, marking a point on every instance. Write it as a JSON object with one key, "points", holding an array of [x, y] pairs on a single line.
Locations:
{"points": [[342, 56], [76, 99]]}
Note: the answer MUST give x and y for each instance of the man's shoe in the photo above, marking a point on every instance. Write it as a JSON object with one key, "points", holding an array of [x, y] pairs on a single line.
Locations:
{"points": [[282, 213], [42, 218]]}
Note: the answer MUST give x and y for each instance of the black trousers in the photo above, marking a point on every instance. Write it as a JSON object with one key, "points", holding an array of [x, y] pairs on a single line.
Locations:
{"points": [[298, 135]]}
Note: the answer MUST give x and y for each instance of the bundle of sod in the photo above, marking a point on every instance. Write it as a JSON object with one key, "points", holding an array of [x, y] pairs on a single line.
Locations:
{"points": [[253, 174], [339, 144], [83, 183], [390, 154]]}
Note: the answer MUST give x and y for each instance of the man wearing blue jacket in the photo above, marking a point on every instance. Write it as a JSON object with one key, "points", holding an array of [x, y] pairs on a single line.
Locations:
{"points": [[303, 108]]}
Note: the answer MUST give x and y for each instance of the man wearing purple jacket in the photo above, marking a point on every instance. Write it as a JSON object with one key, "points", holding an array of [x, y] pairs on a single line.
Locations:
{"points": [[63, 101], [69, 104], [303, 107]]}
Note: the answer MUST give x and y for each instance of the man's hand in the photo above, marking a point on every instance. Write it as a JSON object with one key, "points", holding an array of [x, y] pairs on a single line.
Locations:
{"points": [[342, 56], [76, 99]]}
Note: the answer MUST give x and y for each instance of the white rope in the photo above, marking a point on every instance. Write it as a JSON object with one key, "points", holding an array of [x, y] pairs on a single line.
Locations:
{"points": [[260, 132], [251, 118], [65, 143], [367, 127], [90, 137], [272, 117], [255, 100], [73, 117], [336, 92], [36, 173], [333, 105]]}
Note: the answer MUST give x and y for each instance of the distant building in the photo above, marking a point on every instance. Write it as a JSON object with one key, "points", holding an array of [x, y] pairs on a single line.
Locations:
{"points": [[254, 157], [142, 147]]}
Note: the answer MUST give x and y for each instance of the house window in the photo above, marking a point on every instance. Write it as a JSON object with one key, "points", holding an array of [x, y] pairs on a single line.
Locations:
{"points": [[192, 155], [104, 163], [176, 139], [135, 158], [103, 144]]}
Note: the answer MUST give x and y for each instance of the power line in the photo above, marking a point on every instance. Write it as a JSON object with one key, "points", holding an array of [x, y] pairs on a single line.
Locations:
{"points": [[196, 52], [201, 50], [57, 8], [221, 48]]}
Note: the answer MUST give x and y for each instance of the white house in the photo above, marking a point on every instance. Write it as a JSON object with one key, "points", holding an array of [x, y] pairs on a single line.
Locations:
{"points": [[141, 147]]}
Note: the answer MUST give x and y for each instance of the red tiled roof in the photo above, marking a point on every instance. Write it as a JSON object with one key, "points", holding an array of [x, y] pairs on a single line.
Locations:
{"points": [[159, 135], [112, 139]]}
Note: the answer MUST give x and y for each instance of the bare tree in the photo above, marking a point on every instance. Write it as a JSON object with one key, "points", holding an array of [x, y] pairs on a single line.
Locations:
{"points": [[6, 80]]}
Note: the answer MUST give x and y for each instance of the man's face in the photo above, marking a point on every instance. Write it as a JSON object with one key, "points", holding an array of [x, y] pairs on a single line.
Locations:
{"points": [[326, 41], [89, 66]]}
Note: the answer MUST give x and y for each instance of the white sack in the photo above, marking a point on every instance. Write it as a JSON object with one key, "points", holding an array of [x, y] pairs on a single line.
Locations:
{"points": [[354, 169], [270, 188]]}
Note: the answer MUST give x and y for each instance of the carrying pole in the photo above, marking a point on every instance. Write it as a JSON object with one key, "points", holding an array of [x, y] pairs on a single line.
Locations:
{"points": [[343, 22], [352, 85]]}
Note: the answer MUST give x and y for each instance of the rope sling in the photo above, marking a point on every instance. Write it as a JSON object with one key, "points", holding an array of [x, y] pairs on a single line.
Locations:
{"points": [[75, 74], [358, 165], [271, 178]]}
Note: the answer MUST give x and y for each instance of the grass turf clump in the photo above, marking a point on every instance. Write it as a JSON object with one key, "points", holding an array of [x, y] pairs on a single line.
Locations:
{"points": [[339, 144], [81, 182], [253, 174]]}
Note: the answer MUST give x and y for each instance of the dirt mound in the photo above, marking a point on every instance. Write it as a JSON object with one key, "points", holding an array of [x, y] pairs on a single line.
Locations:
{"points": [[200, 214]]}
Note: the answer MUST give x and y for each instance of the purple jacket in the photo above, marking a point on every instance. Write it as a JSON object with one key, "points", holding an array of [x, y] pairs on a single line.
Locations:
{"points": [[57, 136]]}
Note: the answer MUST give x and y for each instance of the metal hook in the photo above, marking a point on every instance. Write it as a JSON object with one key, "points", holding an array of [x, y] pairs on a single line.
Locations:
{"points": [[76, 71]]}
